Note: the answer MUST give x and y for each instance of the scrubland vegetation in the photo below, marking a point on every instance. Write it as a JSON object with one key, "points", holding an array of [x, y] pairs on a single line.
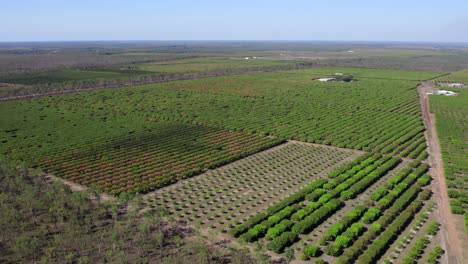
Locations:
{"points": [[45, 222]]}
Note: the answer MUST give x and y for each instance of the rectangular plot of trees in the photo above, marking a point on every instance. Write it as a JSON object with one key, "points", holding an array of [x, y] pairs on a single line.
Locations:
{"points": [[142, 161], [229, 195]]}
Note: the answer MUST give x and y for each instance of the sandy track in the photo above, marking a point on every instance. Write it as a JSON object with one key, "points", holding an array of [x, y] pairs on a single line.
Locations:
{"points": [[450, 240], [75, 187]]}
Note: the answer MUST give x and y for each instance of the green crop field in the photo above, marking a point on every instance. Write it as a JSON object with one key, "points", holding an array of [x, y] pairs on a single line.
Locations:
{"points": [[258, 154], [452, 120], [380, 216], [379, 113], [455, 77], [117, 153], [255, 84]]}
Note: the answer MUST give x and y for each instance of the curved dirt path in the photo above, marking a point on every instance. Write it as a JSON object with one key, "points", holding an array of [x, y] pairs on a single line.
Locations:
{"points": [[450, 241]]}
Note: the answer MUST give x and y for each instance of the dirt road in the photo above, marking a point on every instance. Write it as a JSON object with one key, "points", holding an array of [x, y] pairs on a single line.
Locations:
{"points": [[450, 241]]}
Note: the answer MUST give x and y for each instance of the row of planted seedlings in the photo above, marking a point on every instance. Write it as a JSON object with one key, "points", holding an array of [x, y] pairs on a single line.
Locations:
{"points": [[267, 162], [316, 236], [141, 164], [355, 231], [336, 237], [417, 249], [275, 162], [366, 213], [222, 197], [422, 225], [301, 212]]}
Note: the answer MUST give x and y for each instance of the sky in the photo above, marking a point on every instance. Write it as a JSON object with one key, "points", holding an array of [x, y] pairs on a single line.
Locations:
{"points": [[338, 20]]}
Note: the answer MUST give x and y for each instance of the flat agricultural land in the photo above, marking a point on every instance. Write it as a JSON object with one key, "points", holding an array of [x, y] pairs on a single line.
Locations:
{"points": [[277, 162], [451, 113], [207, 117], [227, 196], [55, 69], [340, 217]]}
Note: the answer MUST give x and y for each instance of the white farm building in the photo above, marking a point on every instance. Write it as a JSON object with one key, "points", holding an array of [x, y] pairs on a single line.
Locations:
{"points": [[325, 79], [444, 92]]}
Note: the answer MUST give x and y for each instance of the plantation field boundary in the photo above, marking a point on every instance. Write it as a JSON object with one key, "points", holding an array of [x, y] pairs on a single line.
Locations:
{"points": [[185, 76], [360, 152], [450, 237], [179, 77], [321, 230]]}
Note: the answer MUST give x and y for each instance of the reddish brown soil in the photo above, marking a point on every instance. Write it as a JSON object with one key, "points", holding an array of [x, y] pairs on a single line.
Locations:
{"points": [[450, 241]]}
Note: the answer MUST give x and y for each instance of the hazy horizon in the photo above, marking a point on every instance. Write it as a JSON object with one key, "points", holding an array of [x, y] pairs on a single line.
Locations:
{"points": [[182, 20], [235, 40]]}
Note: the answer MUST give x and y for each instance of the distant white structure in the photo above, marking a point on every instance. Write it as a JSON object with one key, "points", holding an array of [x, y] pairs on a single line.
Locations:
{"points": [[339, 73], [325, 79], [246, 58], [350, 51], [444, 92]]}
